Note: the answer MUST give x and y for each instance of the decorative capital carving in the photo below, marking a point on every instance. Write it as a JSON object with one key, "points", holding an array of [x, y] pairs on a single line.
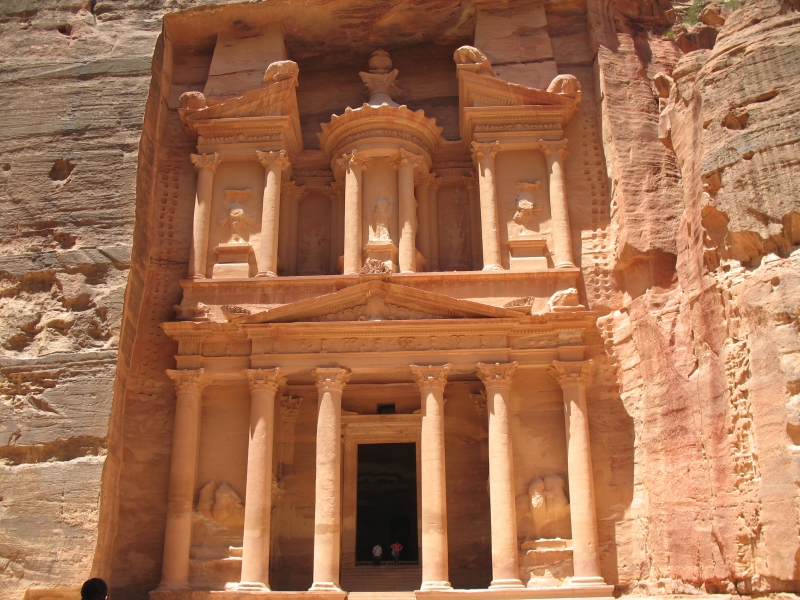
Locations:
{"points": [[331, 379], [421, 179], [404, 157], [570, 374], [188, 380], [496, 376], [434, 182], [279, 159], [551, 146], [354, 159], [430, 377], [290, 189], [469, 182], [335, 190], [205, 161], [290, 407], [264, 380], [482, 150]]}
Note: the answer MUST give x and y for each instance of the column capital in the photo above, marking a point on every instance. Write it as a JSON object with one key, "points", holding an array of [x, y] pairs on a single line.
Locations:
{"points": [[292, 190], [188, 380], [480, 401], [404, 157], [290, 407], [335, 190], [264, 380], [496, 376], [434, 182], [554, 146], [278, 159], [431, 376], [421, 179], [353, 159], [205, 161], [331, 379], [481, 150], [469, 182], [571, 374]]}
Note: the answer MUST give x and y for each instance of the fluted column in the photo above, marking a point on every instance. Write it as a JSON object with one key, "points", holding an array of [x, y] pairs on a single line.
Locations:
{"points": [[484, 155], [433, 218], [189, 386], [572, 377], [264, 383], [274, 164], [505, 558], [555, 152], [431, 381], [328, 498], [354, 164], [206, 165], [474, 222], [405, 163], [423, 216]]}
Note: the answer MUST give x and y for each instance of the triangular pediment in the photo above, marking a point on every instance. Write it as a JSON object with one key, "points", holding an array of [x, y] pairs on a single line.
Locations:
{"points": [[379, 301]]}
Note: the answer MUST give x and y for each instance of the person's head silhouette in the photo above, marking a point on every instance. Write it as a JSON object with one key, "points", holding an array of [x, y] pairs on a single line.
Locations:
{"points": [[94, 589]]}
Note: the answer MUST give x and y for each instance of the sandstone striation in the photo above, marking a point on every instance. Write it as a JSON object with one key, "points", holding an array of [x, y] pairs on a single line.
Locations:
{"points": [[673, 272]]}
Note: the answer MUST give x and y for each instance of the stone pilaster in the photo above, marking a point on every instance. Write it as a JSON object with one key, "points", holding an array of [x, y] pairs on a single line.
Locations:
{"points": [[354, 164], [189, 386], [264, 384], [291, 195], [206, 165], [475, 222], [505, 558], [572, 377], [431, 381], [423, 215], [328, 499], [484, 156], [274, 163], [433, 220], [555, 152]]}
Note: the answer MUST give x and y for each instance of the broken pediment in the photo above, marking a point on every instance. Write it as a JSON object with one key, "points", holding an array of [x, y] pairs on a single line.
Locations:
{"points": [[379, 301]]}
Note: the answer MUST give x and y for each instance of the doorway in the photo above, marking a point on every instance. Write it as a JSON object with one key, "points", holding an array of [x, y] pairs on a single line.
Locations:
{"points": [[386, 500]]}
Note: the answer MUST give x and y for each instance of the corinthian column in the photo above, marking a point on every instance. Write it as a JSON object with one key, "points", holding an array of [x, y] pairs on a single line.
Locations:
{"points": [[572, 376], [183, 467], [484, 155], [407, 250], [431, 381], [423, 216], [474, 221], [274, 163], [555, 152], [433, 218], [327, 508], [264, 383], [206, 165], [505, 558], [354, 164]]}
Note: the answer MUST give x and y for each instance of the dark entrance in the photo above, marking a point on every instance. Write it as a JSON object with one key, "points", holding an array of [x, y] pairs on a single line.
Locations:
{"points": [[387, 500]]}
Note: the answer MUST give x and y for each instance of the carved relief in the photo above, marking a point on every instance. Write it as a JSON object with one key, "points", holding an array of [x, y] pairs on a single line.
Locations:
{"points": [[544, 512], [373, 266], [380, 219], [217, 521], [526, 207]]}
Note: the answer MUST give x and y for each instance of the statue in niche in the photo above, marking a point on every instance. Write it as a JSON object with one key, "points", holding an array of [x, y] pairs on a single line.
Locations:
{"points": [[217, 521], [312, 251], [379, 220], [544, 512], [237, 222], [525, 206], [457, 241]]}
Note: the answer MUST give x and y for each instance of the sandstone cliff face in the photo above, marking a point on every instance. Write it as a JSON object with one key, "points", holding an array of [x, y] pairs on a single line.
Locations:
{"points": [[689, 253]]}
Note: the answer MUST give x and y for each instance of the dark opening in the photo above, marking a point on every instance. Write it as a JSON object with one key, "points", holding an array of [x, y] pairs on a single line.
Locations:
{"points": [[386, 409], [387, 500]]}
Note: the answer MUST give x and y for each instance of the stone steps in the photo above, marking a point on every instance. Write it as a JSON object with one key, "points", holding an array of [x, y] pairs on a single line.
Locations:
{"points": [[381, 596], [385, 578]]}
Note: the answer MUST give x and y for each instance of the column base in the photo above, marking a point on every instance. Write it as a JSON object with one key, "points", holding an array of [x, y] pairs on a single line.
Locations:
{"points": [[266, 274], [324, 586], [197, 276], [173, 587], [587, 581], [565, 265], [251, 586], [504, 584], [492, 268], [438, 586]]}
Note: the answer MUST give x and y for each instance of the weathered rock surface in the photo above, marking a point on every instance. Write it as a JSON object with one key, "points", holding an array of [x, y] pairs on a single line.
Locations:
{"points": [[689, 254]]}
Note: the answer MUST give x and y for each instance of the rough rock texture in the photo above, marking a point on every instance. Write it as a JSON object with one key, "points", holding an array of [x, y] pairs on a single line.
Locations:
{"points": [[690, 254]]}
